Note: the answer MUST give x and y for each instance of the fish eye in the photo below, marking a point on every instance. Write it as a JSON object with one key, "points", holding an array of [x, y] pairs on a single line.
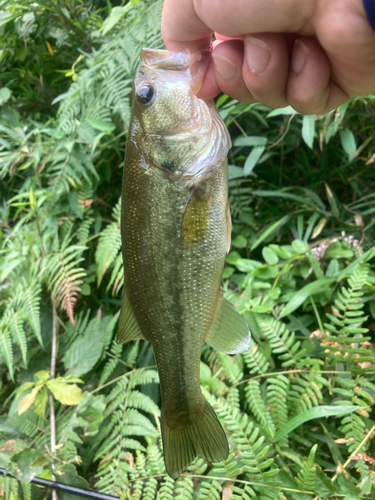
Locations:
{"points": [[145, 94]]}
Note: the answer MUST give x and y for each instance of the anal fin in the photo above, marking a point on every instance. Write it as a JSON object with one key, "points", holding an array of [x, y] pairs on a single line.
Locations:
{"points": [[229, 331], [128, 327]]}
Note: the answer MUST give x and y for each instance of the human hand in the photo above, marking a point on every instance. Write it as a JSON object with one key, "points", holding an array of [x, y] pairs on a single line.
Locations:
{"points": [[311, 54]]}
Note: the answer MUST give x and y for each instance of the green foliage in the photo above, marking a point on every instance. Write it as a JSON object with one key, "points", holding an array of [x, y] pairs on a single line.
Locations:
{"points": [[301, 272]]}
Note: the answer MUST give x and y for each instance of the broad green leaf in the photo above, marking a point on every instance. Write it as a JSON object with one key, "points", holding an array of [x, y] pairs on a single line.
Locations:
{"points": [[269, 230], [252, 140], [302, 294], [5, 94], [23, 460], [101, 125], [239, 241], [252, 159], [41, 403], [312, 414], [308, 129], [348, 142], [116, 14], [67, 394], [299, 247], [235, 172], [42, 375], [270, 256], [288, 110], [28, 400]]}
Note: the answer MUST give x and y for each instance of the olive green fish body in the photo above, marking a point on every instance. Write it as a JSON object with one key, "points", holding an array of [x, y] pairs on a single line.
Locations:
{"points": [[175, 232]]}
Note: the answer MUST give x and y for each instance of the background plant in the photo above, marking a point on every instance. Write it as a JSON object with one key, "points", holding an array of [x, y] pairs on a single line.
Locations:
{"points": [[78, 407]]}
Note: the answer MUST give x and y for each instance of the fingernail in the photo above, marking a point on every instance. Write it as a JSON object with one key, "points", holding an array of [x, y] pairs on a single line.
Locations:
{"points": [[224, 66], [257, 54], [300, 53]]}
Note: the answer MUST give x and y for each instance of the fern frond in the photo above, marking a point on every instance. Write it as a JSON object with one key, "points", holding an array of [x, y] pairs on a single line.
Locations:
{"points": [[6, 350], [256, 361], [283, 341], [345, 327], [19, 335], [307, 476], [258, 407], [184, 489], [277, 394], [304, 393], [124, 420], [65, 277], [108, 248], [111, 364]]}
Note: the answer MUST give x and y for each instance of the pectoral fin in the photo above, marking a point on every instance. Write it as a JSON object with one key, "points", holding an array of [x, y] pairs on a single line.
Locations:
{"points": [[195, 219], [229, 332], [128, 328]]}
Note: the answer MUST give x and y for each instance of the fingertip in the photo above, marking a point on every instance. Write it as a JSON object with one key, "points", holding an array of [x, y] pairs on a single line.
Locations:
{"points": [[209, 88]]}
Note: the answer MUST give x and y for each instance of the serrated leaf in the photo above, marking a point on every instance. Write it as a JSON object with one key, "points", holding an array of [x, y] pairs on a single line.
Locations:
{"points": [[67, 394]]}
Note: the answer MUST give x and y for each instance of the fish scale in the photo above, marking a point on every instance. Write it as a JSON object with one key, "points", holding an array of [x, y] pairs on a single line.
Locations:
{"points": [[175, 228]]}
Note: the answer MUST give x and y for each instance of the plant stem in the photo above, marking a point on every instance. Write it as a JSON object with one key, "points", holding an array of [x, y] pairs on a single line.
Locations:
{"points": [[51, 401]]}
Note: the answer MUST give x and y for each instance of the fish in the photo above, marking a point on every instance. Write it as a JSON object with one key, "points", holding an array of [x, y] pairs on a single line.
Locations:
{"points": [[176, 230]]}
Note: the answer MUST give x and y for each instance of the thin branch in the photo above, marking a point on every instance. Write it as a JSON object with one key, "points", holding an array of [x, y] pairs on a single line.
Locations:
{"points": [[51, 401]]}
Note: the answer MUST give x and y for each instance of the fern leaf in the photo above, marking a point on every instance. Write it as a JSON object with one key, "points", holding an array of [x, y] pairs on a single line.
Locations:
{"points": [[31, 300], [7, 351], [19, 335], [258, 407], [307, 476], [108, 248]]}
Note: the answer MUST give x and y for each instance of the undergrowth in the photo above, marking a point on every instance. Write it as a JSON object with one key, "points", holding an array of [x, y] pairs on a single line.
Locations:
{"points": [[298, 408]]}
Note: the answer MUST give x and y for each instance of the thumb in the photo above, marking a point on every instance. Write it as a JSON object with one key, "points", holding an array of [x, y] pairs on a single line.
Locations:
{"points": [[189, 24]]}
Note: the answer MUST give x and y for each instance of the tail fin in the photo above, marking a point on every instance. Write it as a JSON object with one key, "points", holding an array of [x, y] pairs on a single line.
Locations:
{"points": [[202, 437]]}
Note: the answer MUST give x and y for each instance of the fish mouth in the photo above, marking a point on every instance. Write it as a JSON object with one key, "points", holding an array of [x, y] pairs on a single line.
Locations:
{"points": [[193, 63]]}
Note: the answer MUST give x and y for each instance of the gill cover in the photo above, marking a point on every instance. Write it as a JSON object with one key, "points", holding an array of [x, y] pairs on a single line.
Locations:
{"points": [[174, 130]]}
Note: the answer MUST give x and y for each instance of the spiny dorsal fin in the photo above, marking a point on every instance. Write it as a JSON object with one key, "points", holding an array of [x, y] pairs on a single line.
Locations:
{"points": [[229, 331], [195, 218], [128, 328]]}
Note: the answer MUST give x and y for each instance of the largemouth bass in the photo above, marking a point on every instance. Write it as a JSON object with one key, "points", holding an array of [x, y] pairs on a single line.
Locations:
{"points": [[176, 227]]}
